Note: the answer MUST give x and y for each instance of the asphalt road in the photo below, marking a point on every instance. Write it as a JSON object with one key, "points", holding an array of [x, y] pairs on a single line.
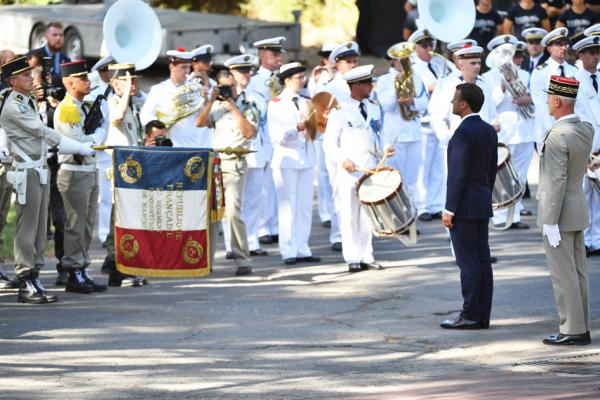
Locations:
{"points": [[303, 332]]}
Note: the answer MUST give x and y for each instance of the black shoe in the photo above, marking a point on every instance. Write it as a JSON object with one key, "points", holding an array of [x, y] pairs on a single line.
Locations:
{"points": [[484, 324], [50, 298], [98, 287], [265, 239], [437, 215], [61, 278], [308, 259], [526, 213], [108, 266], [241, 271], [275, 238], [519, 225], [372, 265], [76, 283], [258, 253], [337, 246], [229, 255], [117, 279], [426, 217], [290, 261], [460, 323], [29, 293], [591, 253], [326, 224], [493, 260], [7, 283], [567, 340], [104, 244], [354, 267], [527, 193]]}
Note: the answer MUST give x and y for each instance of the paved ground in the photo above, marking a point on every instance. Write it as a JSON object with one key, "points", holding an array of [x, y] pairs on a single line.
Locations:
{"points": [[302, 332]]}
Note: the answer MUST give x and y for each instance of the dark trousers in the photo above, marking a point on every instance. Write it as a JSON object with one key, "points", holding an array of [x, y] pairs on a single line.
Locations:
{"points": [[470, 242], [56, 212]]}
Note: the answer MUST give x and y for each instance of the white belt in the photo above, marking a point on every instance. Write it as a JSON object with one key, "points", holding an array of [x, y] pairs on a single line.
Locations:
{"points": [[29, 164], [80, 168]]}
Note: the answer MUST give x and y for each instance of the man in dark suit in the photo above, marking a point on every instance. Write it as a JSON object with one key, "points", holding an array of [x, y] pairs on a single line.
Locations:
{"points": [[472, 162], [55, 39]]}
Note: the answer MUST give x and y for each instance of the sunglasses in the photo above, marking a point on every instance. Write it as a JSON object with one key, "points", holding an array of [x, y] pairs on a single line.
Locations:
{"points": [[426, 44], [534, 41]]}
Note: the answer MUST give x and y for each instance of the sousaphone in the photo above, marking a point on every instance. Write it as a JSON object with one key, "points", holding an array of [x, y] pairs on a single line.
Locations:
{"points": [[447, 20]]}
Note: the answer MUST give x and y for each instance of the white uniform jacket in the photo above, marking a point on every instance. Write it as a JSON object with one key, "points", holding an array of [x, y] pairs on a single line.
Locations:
{"points": [[587, 106]]}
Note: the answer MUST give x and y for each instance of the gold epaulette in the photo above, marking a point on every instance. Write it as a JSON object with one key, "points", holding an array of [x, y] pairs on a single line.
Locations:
{"points": [[540, 66], [69, 114]]}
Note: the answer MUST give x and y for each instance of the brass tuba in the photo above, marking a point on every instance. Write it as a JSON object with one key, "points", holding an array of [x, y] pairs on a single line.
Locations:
{"points": [[405, 87]]}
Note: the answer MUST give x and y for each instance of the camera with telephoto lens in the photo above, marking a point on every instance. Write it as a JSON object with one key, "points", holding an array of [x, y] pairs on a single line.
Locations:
{"points": [[164, 141], [50, 90], [225, 92]]}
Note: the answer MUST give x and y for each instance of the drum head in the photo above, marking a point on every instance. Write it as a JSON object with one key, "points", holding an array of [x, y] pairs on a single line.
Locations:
{"points": [[503, 154], [379, 186]]}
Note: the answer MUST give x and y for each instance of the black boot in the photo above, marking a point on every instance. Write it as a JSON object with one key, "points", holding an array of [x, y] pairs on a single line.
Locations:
{"points": [[35, 278], [6, 282], [62, 276], [76, 283], [98, 287], [28, 293]]}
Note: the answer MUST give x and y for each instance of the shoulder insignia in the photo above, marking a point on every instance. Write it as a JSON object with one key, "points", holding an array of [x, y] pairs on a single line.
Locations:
{"points": [[306, 97], [19, 98], [373, 102], [257, 93], [22, 108], [68, 112], [275, 99], [541, 66]]}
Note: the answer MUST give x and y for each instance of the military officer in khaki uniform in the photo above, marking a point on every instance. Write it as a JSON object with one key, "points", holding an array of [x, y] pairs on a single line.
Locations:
{"points": [[29, 138], [77, 179], [562, 210]]}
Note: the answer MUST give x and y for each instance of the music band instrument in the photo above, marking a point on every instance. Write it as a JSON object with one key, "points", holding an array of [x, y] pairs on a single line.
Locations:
{"points": [[187, 100], [404, 84], [318, 113], [447, 20]]}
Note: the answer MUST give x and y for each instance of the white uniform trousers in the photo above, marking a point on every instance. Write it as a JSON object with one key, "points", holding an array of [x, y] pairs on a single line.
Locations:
{"points": [[254, 205], [357, 239], [105, 198], [335, 235], [431, 180], [325, 192], [269, 224], [407, 160], [294, 205], [520, 155], [592, 234]]}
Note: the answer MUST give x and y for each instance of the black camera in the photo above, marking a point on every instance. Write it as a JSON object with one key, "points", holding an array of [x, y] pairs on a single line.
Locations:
{"points": [[163, 141], [225, 92], [50, 90]]}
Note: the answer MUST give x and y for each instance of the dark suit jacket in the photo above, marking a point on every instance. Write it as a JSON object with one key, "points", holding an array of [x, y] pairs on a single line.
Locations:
{"points": [[43, 52], [526, 64], [472, 163]]}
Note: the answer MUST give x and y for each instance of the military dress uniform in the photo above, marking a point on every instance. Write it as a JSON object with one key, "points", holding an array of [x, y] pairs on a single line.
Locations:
{"points": [[77, 182]]}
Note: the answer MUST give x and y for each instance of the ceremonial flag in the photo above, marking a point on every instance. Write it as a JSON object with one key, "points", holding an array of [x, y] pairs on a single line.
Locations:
{"points": [[164, 201]]}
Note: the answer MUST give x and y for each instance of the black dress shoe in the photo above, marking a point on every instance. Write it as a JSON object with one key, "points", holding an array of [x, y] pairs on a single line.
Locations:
{"points": [[354, 267], [372, 265], [460, 323], [117, 279], [519, 225], [108, 266], [337, 246], [526, 213], [229, 255], [437, 215], [484, 324], [569, 340], [241, 271], [426, 217], [275, 238], [29, 293], [308, 259], [327, 224], [290, 261], [591, 253], [76, 283], [265, 239], [98, 287], [258, 253], [493, 260], [50, 298]]}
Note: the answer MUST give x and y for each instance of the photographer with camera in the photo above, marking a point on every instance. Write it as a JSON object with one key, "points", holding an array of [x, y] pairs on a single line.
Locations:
{"points": [[234, 117], [156, 134]]}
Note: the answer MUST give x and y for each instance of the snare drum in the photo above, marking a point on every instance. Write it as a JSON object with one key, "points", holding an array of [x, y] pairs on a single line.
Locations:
{"points": [[385, 201], [507, 187]]}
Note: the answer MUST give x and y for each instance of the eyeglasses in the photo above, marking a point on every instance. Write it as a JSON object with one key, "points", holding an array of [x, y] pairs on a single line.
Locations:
{"points": [[299, 77], [560, 44]]}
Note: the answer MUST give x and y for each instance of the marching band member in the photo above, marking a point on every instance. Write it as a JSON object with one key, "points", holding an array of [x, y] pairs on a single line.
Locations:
{"points": [[345, 57], [353, 140], [535, 50], [431, 68], [265, 82], [587, 107], [176, 103], [28, 137], [202, 58], [557, 45], [515, 118], [293, 165], [323, 72], [520, 52], [401, 122], [253, 204], [77, 179]]}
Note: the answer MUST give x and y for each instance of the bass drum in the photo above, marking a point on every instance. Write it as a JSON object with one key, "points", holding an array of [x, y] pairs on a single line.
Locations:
{"points": [[508, 190], [385, 201]]}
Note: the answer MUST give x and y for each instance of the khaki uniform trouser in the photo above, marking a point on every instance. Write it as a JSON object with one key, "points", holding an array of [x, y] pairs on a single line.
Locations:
{"points": [[568, 270], [31, 226], [6, 190], [234, 179], [79, 190]]}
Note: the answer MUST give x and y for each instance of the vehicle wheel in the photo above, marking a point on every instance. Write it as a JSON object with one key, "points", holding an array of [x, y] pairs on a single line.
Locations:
{"points": [[36, 38], [73, 44]]}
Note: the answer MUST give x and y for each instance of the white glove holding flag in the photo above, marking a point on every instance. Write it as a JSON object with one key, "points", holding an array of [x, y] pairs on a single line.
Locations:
{"points": [[552, 233], [85, 149]]}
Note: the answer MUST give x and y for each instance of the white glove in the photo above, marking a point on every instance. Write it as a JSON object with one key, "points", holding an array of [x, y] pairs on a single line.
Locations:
{"points": [[68, 145], [4, 153], [85, 149], [99, 135], [552, 233]]}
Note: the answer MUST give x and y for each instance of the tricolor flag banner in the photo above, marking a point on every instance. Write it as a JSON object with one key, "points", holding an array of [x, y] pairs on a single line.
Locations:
{"points": [[163, 208]]}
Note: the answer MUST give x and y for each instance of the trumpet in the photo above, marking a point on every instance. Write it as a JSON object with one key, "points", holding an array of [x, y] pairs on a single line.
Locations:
{"points": [[405, 87]]}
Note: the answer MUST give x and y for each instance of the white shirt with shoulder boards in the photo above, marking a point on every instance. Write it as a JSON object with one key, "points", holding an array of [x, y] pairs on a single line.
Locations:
{"points": [[291, 148], [587, 106], [161, 104], [259, 82], [395, 127], [337, 86]]}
